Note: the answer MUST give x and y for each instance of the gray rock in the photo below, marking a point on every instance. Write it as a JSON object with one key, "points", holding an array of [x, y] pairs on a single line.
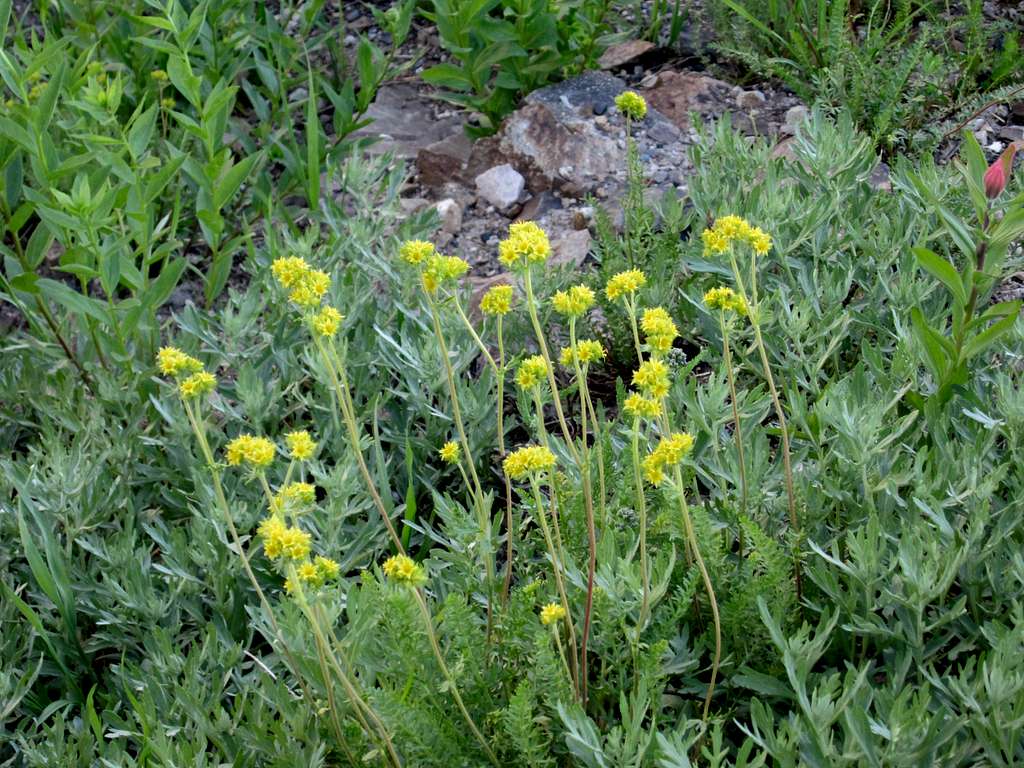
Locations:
{"points": [[795, 117], [404, 122], [750, 100], [500, 186], [663, 132]]}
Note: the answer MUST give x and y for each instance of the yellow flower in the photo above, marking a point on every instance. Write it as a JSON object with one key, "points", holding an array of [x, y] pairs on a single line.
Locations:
{"points": [[623, 283], [573, 302], [308, 573], [652, 378], [289, 270], [669, 452], [300, 445], [416, 251], [532, 371], [271, 530], [295, 543], [197, 384], [167, 102], [497, 300], [631, 104], [402, 569], [551, 613], [328, 568], [327, 321], [310, 289], [659, 329], [450, 452], [257, 452], [173, 362], [441, 269], [291, 587], [526, 244], [295, 494], [730, 229], [719, 298], [639, 407], [157, 74], [528, 461], [760, 241], [587, 351]]}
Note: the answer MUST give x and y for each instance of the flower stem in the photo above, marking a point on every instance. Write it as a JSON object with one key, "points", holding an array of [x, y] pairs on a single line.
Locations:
{"points": [[339, 382], [556, 567], [737, 429], [452, 686], [483, 518], [531, 305], [641, 507], [692, 537]]}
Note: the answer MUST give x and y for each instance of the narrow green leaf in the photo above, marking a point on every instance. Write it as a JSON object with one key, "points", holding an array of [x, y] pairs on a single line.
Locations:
{"points": [[312, 147], [943, 271], [72, 300], [989, 336]]}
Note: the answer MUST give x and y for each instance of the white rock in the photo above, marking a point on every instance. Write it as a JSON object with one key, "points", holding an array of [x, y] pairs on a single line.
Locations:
{"points": [[500, 186], [450, 213]]}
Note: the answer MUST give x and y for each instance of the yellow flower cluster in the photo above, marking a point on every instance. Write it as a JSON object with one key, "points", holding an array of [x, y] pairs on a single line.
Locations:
{"points": [[197, 385], [587, 351], [652, 378], [314, 573], [631, 104], [532, 372], [416, 252], [294, 497], [450, 452], [527, 461], [307, 285], [639, 407], [669, 452], [283, 540], [300, 445], [659, 329], [573, 302], [725, 299], [173, 362], [624, 284], [404, 570], [441, 269], [257, 452], [526, 244], [326, 322], [497, 300], [551, 613], [730, 229]]}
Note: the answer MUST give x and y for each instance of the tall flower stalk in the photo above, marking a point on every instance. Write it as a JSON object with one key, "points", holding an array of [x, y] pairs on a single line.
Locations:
{"points": [[722, 238], [288, 544], [726, 302]]}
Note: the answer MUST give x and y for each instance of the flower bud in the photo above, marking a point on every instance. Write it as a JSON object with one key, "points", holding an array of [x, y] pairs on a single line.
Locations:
{"points": [[999, 172]]}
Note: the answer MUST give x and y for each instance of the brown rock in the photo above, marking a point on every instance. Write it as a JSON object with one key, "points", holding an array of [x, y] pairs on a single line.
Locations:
{"points": [[677, 94], [571, 247], [623, 53], [444, 160]]}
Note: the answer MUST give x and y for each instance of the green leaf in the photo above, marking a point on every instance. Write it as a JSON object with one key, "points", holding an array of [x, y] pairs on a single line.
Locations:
{"points": [[989, 336], [217, 276], [141, 131], [48, 100], [958, 231], [943, 271], [180, 73], [935, 353], [228, 184], [161, 289], [447, 76], [26, 282], [72, 300], [14, 178]]}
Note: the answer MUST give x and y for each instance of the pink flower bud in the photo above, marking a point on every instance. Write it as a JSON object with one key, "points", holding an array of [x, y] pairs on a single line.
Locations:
{"points": [[999, 172]]}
